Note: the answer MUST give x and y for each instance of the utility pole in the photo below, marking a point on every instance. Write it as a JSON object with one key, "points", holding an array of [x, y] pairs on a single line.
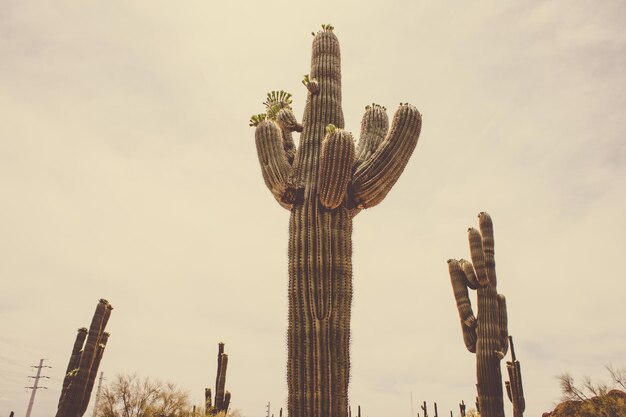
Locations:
{"points": [[36, 386], [268, 409], [412, 411], [95, 404]]}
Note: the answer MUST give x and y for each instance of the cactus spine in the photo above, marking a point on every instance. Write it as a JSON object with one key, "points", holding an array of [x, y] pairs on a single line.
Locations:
{"points": [[486, 334], [324, 183], [84, 362], [514, 389], [222, 397]]}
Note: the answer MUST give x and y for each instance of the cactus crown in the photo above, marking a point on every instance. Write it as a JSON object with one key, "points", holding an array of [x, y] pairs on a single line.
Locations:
{"points": [[256, 119], [277, 100], [327, 27], [375, 106]]}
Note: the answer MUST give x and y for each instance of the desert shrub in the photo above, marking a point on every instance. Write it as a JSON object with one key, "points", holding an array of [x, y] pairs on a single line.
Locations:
{"points": [[592, 399]]}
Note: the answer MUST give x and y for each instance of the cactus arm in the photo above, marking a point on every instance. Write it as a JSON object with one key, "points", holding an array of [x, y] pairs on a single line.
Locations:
{"points": [[470, 274], [311, 84], [503, 319], [514, 386], [66, 394], [336, 161], [78, 345], [73, 363], [374, 127], [273, 160], [486, 231], [516, 389], [478, 256], [208, 401], [226, 401], [92, 376], [507, 385], [288, 124], [375, 178], [468, 320]]}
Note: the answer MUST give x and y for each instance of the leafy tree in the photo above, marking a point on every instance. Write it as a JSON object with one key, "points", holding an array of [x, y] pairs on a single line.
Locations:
{"points": [[128, 396]]}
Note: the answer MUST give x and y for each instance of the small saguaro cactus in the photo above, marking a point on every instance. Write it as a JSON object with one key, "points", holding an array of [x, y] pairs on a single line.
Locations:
{"points": [[514, 389], [222, 397], [324, 183], [485, 334], [83, 365]]}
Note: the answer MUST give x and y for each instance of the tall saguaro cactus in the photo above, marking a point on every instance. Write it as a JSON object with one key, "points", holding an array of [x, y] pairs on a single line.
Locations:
{"points": [[484, 334], [324, 183], [84, 362], [222, 397]]}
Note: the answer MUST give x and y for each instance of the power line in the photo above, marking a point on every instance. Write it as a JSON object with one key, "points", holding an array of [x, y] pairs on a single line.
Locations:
{"points": [[20, 347], [11, 378], [36, 386], [13, 362]]}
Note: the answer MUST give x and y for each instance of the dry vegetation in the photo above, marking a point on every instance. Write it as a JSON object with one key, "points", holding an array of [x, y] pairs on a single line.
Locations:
{"points": [[592, 399]]}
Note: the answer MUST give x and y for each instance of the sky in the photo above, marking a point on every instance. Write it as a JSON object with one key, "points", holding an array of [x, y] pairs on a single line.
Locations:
{"points": [[128, 172]]}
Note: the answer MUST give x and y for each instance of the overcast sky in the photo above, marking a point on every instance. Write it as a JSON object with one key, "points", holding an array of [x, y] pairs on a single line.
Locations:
{"points": [[128, 172]]}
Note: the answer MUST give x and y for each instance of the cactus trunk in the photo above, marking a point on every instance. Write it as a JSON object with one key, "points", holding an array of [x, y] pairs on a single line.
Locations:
{"points": [[320, 294], [324, 185], [489, 375], [320, 261]]}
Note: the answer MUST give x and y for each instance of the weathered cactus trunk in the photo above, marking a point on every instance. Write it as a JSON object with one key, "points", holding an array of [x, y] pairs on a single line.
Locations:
{"points": [[324, 183], [486, 334], [83, 365]]}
